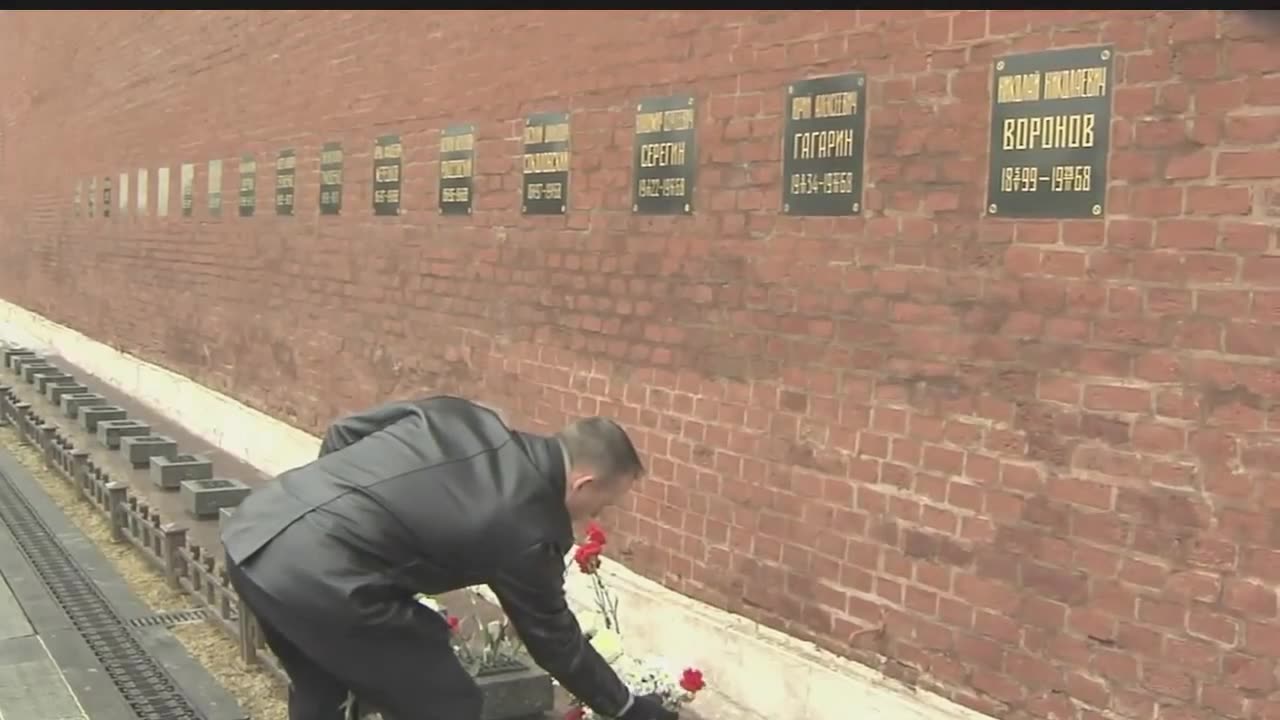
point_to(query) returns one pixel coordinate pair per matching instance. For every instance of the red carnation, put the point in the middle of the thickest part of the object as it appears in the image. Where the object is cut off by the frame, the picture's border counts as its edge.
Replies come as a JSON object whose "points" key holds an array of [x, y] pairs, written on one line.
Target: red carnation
{"points": [[588, 557], [595, 534], [691, 680], [575, 713], [455, 622]]}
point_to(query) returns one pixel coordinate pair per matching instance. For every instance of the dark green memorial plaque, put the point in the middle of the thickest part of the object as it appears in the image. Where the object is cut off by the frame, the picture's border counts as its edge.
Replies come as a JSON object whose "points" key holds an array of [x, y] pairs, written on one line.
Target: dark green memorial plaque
{"points": [[248, 185], [187, 188], [388, 155], [1050, 134], [215, 188], [824, 146], [665, 160], [286, 173], [545, 190], [331, 178], [457, 169]]}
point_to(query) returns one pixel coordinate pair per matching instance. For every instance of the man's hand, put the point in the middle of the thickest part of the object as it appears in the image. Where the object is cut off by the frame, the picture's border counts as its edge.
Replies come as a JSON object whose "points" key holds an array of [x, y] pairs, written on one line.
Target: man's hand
{"points": [[649, 707]]}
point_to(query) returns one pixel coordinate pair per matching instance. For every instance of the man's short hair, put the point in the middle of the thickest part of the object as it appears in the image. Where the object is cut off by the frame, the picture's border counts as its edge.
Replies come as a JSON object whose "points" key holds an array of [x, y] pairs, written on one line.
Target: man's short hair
{"points": [[602, 445]]}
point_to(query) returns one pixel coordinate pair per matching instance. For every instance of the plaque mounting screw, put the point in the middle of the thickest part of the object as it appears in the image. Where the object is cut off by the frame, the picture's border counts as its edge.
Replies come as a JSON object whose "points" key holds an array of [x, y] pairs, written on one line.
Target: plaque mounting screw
{"points": [[999, 64], [635, 208], [861, 81], [686, 207], [562, 208], [524, 208], [993, 208], [639, 108], [1106, 54], [1097, 209], [786, 207], [857, 207], [791, 89]]}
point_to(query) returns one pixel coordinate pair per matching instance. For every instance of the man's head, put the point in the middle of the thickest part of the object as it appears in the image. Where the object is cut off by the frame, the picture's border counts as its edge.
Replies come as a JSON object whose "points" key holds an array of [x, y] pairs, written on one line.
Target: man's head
{"points": [[603, 465]]}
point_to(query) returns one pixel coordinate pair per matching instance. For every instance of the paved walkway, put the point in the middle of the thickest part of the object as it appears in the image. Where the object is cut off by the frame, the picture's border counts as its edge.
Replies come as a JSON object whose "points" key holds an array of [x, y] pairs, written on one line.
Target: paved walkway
{"points": [[75, 643]]}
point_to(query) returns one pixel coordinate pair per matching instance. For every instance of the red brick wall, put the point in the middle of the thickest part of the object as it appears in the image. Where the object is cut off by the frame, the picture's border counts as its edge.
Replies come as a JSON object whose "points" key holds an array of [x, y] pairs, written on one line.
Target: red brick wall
{"points": [[1041, 456]]}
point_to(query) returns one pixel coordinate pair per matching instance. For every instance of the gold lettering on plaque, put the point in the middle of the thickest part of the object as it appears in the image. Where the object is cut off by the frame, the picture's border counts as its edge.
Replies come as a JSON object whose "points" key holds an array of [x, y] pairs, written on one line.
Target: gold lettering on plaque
{"points": [[1048, 132], [453, 169], [545, 162], [662, 154], [821, 144]]}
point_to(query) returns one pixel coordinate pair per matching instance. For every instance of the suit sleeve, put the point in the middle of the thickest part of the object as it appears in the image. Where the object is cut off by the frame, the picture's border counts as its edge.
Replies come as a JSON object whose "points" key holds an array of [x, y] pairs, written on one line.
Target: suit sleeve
{"points": [[531, 592], [352, 428]]}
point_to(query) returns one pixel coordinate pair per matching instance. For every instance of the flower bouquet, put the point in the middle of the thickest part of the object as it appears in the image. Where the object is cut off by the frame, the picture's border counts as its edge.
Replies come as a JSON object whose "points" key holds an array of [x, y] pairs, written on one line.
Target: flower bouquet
{"points": [[674, 684]]}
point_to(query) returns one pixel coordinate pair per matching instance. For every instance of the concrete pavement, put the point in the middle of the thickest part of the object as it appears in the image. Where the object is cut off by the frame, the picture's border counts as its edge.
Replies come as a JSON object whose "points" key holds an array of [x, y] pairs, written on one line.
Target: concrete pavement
{"points": [[75, 642]]}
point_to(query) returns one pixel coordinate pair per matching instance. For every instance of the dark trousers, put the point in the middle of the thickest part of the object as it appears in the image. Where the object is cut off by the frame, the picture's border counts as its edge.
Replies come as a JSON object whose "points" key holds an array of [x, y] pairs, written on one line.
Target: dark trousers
{"points": [[402, 663]]}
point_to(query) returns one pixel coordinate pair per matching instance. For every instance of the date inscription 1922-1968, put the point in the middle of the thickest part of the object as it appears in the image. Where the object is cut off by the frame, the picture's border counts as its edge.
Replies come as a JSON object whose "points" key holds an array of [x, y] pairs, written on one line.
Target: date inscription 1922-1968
{"points": [[1050, 133]]}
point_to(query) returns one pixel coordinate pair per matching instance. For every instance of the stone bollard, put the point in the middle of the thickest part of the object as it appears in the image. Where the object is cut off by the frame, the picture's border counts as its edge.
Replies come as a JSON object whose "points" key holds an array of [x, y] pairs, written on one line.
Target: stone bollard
{"points": [[72, 403], [202, 499], [169, 473], [56, 392], [91, 416], [141, 450], [111, 431]]}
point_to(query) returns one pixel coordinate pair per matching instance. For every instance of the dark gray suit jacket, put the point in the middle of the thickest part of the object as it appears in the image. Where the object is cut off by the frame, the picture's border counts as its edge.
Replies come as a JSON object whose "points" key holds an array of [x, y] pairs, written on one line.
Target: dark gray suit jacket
{"points": [[426, 496]]}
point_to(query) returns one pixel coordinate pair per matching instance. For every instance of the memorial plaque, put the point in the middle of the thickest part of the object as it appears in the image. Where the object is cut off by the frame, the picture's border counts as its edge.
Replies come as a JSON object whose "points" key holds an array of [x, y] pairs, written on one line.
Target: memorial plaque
{"points": [[215, 188], [1050, 134], [122, 193], [91, 207], [666, 156], [187, 188], [106, 197], [143, 189], [546, 164], [457, 169], [331, 179], [823, 147], [248, 185], [387, 165], [286, 171], [162, 192], [75, 200]]}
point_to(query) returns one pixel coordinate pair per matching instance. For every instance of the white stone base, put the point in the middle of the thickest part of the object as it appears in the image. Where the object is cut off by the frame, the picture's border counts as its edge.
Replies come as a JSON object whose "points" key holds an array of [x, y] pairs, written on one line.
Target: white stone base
{"points": [[746, 664]]}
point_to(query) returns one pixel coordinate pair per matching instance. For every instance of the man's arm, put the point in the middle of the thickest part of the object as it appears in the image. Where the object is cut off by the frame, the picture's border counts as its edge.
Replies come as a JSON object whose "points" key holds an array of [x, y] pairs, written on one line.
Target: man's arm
{"points": [[352, 428], [531, 592]]}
